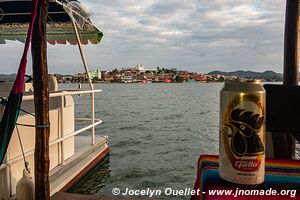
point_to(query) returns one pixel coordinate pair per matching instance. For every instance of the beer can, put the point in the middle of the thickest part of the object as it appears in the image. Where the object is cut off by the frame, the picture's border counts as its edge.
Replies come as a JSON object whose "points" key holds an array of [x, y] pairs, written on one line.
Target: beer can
{"points": [[242, 132]]}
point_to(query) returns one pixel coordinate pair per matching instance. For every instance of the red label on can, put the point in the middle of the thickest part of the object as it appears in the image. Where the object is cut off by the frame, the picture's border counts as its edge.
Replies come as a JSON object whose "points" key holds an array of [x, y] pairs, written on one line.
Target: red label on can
{"points": [[247, 165]]}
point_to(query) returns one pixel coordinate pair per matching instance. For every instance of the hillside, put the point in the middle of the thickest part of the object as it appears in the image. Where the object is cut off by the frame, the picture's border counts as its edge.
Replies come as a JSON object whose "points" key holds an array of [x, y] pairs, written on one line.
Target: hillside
{"points": [[266, 75], [7, 77]]}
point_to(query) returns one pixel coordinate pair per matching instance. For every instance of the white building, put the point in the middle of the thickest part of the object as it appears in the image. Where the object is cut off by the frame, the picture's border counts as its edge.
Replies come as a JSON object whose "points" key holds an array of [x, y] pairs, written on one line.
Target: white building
{"points": [[95, 73], [140, 67]]}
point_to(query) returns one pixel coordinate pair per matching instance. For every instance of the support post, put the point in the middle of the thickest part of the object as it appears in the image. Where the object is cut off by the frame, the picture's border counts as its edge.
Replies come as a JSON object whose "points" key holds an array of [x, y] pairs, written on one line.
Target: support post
{"points": [[291, 58], [89, 79], [82, 54], [291, 39], [93, 117], [61, 135], [80, 47], [41, 103]]}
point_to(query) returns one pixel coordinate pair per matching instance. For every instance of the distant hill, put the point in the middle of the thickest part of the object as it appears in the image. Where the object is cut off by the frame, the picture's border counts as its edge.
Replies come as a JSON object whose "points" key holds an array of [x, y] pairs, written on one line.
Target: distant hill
{"points": [[266, 75], [8, 77]]}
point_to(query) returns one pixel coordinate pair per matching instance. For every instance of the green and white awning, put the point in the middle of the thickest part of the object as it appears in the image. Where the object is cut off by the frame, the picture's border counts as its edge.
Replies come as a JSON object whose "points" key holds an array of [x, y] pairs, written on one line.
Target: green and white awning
{"points": [[14, 18], [57, 33]]}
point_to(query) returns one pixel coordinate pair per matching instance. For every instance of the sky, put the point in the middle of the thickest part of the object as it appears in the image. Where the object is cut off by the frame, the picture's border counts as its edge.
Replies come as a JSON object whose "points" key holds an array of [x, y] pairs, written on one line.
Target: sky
{"points": [[195, 35]]}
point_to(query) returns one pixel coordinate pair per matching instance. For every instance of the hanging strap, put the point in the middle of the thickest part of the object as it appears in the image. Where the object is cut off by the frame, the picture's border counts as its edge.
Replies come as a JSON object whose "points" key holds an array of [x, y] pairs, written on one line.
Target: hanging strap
{"points": [[13, 104], [19, 83]]}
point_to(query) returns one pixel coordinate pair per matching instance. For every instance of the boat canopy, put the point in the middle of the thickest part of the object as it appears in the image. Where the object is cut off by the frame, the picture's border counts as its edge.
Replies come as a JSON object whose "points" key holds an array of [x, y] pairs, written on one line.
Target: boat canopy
{"points": [[15, 16]]}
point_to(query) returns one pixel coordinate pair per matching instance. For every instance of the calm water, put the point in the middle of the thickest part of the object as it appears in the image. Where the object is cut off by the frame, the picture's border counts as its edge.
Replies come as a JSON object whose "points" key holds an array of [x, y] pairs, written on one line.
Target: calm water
{"points": [[156, 134]]}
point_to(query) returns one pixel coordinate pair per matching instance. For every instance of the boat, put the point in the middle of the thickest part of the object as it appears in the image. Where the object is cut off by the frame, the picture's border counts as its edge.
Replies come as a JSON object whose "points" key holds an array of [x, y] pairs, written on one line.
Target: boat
{"points": [[72, 152]]}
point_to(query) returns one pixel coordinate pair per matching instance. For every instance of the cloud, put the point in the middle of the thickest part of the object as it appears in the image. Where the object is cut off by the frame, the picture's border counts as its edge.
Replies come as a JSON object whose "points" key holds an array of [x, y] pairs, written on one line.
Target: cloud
{"points": [[242, 15], [187, 34]]}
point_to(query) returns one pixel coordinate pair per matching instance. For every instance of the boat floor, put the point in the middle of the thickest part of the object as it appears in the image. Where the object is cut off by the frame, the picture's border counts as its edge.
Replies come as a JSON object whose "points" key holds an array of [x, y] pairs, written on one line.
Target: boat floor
{"points": [[71, 196], [75, 167], [83, 148], [83, 142]]}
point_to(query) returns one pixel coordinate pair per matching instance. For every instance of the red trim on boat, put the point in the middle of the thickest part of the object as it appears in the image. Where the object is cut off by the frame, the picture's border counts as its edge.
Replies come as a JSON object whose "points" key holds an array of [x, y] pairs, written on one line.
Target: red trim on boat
{"points": [[85, 170]]}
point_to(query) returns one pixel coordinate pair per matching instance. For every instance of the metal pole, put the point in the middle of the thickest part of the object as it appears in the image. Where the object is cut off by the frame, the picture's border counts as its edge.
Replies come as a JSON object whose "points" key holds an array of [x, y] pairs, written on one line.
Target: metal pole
{"points": [[291, 58], [89, 78], [61, 144], [87, 73], [93, 116], [82, 54]]}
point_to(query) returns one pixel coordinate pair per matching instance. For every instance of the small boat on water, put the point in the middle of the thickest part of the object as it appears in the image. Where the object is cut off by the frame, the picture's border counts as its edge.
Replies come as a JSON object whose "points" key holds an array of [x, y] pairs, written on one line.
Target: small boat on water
{"points": [[72, 151]]}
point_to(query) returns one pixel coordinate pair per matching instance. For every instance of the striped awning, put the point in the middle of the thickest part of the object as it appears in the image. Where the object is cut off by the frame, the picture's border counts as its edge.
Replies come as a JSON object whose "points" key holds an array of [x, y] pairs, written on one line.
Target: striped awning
{"points": [[14, 18]]}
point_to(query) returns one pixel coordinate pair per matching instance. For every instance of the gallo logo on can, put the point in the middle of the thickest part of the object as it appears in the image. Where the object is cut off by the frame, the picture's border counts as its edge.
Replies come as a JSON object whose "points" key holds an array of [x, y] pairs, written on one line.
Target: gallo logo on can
{"points": [[242, 125]]}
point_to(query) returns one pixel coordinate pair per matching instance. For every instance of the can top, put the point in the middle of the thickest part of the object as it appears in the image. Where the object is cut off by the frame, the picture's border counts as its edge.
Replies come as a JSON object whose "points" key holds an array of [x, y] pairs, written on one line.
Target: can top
{"points": [[243, 85], [239, 81]]}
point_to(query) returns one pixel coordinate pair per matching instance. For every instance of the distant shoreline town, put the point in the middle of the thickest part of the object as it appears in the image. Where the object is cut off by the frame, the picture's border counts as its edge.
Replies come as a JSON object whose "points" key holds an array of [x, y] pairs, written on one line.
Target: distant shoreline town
{"points": [[140, 74]]}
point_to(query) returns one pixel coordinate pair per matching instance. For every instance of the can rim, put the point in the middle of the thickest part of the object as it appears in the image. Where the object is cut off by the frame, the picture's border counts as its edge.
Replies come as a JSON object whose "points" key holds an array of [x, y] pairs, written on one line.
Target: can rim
{"points": [[239, 81]]}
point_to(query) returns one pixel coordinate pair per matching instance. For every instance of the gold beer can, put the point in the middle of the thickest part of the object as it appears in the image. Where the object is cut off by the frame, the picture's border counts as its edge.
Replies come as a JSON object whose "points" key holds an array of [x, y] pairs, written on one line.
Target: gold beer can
{"points": [[242, 132]]}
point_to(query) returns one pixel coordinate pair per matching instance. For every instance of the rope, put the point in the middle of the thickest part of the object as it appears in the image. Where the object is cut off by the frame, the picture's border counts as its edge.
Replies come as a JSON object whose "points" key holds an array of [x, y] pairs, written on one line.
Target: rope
{"points": [[26, 163], [27, 112], [29, 125], [34, 126], [3, 101]]}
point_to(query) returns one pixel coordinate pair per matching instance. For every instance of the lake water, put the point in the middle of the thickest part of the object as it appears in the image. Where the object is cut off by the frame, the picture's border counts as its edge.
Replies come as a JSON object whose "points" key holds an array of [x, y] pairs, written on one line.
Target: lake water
{"points": [[156, 134]]}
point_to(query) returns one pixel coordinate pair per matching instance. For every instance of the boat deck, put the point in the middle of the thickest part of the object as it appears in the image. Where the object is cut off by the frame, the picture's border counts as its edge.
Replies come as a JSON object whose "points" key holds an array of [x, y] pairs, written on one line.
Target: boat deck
{"points": [[70, 196], [83, 142], [86, 157]]}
